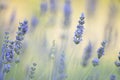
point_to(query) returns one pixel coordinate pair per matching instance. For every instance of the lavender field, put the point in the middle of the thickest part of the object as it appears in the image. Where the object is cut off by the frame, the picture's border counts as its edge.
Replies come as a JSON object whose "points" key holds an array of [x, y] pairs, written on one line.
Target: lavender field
{"points": [[59, 39]]}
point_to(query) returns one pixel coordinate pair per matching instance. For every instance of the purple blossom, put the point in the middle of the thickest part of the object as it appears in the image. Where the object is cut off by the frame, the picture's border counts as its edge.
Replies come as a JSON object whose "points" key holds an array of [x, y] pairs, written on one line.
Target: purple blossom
{"points": [[43, 7], [117, 63], [9, 55], [22, 30], [95, 61], [112, 77], [91, 6], [67, 13], [101, 50], [53, 6], [67, 8], [34, 21], [61, 68], [78, 33]]}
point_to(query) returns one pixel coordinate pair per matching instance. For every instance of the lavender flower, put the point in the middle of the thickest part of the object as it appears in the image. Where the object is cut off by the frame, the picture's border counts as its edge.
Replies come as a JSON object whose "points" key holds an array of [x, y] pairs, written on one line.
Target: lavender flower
{"points": [[53, 6], [67, 13], [61, 68], [9, 56], [101, 50], [34, 21], [78, 33], [9, 48], [91, 6], [87, 54], [67, 8], [95, 61], [22, 30], [18, 47], [43, 7], [112, 77], [117, 63]]}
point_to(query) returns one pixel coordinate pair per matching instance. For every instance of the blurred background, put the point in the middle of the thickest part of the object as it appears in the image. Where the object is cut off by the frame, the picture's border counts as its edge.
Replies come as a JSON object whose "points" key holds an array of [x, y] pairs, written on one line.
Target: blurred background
{"points": [[52, 24]]}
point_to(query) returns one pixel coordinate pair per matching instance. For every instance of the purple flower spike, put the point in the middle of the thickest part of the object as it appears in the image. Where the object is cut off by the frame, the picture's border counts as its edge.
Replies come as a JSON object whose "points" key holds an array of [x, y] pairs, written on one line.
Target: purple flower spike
{"points": [[78, 33]]}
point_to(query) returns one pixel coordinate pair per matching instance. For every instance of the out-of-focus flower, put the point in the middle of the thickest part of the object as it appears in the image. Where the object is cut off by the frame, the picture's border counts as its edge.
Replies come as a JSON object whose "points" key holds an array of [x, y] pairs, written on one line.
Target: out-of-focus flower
{"points": [[61, 68], [34, 21], [112, 77], [78, 33], [2, 76], [117, 63], [9, 48], [95, 61], [91, 6], [43, 7], [67, 13], [87, 54], [101, 50], [53, 6]]}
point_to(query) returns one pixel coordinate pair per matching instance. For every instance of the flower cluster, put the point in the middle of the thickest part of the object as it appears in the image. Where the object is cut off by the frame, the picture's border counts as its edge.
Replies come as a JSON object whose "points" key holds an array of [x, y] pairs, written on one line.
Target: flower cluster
{"points": [[100, 52], [9, 48], [79, 31]]}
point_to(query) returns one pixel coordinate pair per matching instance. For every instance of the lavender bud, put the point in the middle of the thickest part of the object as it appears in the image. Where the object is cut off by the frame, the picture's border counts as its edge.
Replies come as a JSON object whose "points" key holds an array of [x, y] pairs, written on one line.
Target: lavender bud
{"points": [[112, 77], [95, 61], [117, 64]]}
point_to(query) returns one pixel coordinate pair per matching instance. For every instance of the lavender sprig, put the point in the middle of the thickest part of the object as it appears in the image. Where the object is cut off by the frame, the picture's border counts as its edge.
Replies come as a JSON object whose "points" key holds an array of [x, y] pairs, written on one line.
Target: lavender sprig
{"points": [[61, 68], [78, 33], [32, 71], [101, 49]]}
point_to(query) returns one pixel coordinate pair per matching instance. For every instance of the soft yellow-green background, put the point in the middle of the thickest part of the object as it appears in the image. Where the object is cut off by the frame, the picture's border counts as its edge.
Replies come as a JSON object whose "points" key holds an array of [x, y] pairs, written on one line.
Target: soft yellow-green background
{"points": [[94, 31]]}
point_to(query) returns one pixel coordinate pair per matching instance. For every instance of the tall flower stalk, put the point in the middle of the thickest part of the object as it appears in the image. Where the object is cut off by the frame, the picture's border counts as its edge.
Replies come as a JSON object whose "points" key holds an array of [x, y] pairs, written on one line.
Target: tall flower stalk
{"points": [[78, 33]]}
